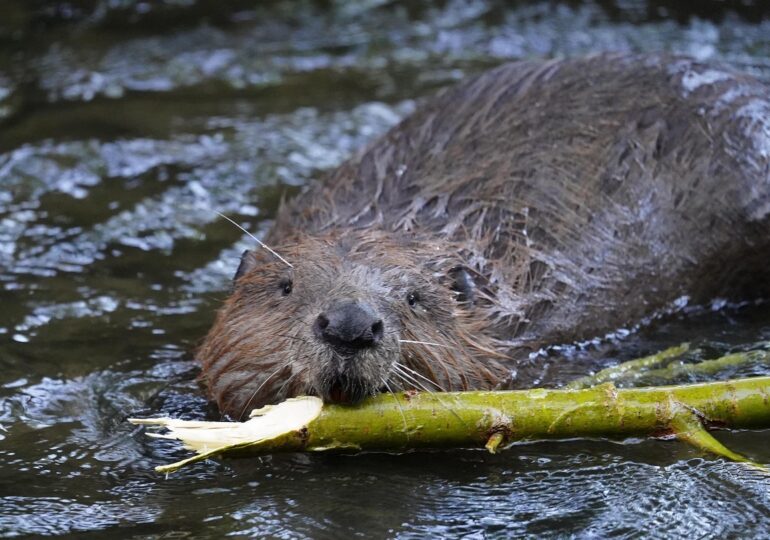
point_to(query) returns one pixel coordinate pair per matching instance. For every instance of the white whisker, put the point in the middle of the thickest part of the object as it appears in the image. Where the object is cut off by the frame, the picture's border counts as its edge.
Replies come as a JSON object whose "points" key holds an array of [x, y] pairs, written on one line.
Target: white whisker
{"points": [[424, 343], [257, 240], [403, 416], [253, 395], [420, 375], [411, 380], [399, 371]]}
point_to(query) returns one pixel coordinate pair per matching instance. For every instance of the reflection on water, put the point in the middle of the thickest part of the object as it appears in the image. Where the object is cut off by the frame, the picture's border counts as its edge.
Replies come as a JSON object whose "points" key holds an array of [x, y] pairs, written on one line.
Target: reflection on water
{"points": [[125, 125]]}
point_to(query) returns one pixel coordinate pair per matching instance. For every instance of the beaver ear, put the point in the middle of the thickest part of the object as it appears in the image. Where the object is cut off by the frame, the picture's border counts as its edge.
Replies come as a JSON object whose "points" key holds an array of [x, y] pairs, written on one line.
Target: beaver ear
{"points": [[462, 282], [249, 261]]}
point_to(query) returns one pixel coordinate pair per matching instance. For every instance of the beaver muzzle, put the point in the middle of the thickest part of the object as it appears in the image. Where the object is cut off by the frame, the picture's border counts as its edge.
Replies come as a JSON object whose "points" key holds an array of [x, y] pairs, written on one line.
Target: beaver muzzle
{"points": [[349, 329]]}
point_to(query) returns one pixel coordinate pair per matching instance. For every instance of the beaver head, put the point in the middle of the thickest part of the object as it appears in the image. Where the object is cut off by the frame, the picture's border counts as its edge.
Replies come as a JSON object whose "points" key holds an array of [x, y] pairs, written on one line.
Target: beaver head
{"points": [[354, 313]]}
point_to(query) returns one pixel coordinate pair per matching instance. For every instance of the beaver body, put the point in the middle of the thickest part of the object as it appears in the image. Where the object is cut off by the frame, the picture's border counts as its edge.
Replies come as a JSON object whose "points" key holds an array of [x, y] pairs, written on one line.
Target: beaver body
{"points": [[539, 203]]}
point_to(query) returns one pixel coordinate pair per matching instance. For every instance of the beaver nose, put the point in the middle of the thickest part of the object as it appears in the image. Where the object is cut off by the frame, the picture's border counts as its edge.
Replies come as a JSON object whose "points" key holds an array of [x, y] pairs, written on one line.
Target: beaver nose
{"points": [[349, 326]]}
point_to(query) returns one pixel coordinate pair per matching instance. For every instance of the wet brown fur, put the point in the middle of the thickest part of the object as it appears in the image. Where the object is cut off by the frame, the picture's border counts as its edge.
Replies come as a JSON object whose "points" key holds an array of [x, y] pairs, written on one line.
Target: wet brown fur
{"points": [[580, 195]]}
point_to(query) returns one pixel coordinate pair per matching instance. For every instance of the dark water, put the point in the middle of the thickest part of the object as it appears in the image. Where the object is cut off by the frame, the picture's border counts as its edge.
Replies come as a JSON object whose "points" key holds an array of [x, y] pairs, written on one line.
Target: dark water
{"points": [[125, 125]]}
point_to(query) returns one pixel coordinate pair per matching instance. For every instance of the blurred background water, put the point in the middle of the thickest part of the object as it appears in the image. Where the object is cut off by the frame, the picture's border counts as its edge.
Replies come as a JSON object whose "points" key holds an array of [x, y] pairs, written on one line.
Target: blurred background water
{"points": [[124, 126]]}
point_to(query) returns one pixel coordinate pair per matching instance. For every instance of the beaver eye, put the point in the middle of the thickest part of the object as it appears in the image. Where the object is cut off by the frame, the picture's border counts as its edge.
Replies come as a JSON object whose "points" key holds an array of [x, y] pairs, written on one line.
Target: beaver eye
{"points": [[285, 286], [412, 298]]}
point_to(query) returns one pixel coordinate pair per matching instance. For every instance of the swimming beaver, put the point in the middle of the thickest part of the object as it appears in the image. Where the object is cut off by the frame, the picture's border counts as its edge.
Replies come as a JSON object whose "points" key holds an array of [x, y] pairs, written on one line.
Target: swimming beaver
{"points": [[539, 203]]}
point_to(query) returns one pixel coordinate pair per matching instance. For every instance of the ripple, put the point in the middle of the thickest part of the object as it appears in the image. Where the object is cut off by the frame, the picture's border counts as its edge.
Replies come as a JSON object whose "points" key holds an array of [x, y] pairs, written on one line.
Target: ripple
{"points": [[615, 498], [55, 516], [126, 125], [271, 48], [211, 172]]}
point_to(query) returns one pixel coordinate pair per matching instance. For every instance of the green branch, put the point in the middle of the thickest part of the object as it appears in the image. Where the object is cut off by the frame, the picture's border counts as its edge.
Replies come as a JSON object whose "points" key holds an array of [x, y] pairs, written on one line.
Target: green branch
{"points": [[706, 369], [629, 370], [483, 419]]}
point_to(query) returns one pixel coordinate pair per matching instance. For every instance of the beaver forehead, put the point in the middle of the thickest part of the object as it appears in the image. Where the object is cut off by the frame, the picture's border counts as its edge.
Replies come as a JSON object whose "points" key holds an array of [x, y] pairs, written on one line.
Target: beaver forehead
{"points": [[352, 278], [376, 248]]}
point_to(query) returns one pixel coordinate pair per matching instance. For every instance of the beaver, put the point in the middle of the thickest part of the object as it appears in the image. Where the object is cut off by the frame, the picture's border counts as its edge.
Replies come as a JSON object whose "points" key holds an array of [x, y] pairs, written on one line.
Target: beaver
{"points": [[540, 203]]}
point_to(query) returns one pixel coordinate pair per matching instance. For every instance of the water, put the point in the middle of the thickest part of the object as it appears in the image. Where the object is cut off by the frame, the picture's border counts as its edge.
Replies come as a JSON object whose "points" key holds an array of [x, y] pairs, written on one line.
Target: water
{"points": [[125, 125]]}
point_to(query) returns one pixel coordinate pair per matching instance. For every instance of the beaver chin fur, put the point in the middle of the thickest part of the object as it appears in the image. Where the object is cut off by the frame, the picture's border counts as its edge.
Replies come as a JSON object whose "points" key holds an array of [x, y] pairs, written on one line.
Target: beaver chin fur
{"points": [[350, 376], [342, 381]]}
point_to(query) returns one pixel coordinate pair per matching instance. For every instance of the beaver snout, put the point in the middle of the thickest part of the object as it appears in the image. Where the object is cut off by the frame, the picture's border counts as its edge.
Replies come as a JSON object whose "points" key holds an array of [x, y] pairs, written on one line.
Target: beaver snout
{"points": [[349, 327]]}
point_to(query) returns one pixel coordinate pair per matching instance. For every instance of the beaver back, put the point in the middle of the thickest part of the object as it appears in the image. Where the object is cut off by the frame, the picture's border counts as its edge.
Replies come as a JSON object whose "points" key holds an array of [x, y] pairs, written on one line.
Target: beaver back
{"points": [[589, 193]]}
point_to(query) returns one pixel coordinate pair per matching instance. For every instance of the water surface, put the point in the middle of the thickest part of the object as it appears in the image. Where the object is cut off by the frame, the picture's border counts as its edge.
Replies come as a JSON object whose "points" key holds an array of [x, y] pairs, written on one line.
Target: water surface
{"points": [[124, 126]]}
